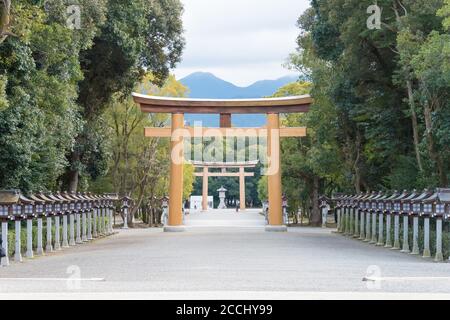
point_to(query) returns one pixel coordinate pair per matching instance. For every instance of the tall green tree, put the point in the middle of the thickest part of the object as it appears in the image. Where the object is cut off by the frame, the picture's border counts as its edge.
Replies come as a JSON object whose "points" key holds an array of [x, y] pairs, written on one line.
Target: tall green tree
{"points": [[377, 90], [137, 37], [139, 166], [39, 76]]}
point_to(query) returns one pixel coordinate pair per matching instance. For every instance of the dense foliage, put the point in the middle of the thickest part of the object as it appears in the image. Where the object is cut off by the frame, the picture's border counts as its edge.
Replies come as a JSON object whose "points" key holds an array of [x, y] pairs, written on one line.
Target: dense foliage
{"points": [[382, 108], [57, 80]]}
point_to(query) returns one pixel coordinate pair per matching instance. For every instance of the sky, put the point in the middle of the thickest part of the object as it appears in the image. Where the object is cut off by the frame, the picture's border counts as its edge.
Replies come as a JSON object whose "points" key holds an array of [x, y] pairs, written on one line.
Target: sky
{"points": [[241, 41]]}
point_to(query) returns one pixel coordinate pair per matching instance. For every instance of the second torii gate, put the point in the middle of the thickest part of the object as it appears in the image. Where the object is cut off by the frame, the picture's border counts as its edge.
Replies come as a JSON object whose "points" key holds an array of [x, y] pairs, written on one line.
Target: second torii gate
{"points": [[177, 107], [224, 173]]}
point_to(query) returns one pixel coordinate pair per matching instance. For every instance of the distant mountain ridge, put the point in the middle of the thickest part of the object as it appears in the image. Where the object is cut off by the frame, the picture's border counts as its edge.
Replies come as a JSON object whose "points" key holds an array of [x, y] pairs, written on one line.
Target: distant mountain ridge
{"points": [[205, 85]]}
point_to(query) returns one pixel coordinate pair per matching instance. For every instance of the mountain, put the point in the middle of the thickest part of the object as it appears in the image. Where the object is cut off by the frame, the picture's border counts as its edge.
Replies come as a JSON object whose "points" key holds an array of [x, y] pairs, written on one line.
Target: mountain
{"points": [[208, 86], [266, 88], [205, 85]]}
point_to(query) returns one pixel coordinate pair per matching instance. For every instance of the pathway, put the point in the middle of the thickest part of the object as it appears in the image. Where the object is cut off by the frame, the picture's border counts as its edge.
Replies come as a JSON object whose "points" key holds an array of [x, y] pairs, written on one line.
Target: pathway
{"points": [[226, 255]]}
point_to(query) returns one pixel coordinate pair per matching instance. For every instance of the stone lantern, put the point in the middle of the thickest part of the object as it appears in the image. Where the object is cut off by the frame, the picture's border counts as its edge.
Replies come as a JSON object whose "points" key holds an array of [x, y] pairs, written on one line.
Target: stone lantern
{"points": [[60, 210], [380, 212], [106, 208], [358, 206], [436, 203], [85, 213], [78, 213], [367, 209], [346, 204], [373, 209], [7, 200], [89, 208], [165, 209], [442, 208], [388, 211], [32, 207], [443, 203], [339, 198], [126, 204], [384, 215], [96, 211], [222, 195], [425, 212], [396, 212], [63, 205], [84, 203], [99, 215], [407, 210], [354, 211], [323, 205], [81, 217], [361, 208], [112, 199], [73, 217], [338, 207], [29, 212], [348, 213], [285, 205], [50, 213], [20, 211]]}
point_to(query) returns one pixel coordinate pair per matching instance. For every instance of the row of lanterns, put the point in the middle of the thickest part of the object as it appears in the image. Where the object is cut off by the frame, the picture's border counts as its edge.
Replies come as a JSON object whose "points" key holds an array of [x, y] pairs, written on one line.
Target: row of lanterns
{"points": [[82, 217], [371, 216]]}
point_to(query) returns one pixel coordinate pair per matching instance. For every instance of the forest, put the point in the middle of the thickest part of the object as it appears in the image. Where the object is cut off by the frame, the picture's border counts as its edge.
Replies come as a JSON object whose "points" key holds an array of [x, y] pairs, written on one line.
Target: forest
{"points": [[66, 119], [381, 117]]}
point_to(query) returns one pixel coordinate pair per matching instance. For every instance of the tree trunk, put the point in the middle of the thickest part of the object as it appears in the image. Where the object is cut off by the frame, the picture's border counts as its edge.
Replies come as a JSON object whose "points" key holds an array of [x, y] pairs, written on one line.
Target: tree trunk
{"points": [[302, 215], [412, 104], [316, 217], [5, 19], [415, 126], [434, 155], [357, 170], [73, 174]]}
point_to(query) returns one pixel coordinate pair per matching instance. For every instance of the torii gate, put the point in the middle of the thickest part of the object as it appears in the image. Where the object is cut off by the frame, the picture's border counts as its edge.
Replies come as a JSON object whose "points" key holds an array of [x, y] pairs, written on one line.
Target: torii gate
{"points": [[177, 107], [224, 173]]}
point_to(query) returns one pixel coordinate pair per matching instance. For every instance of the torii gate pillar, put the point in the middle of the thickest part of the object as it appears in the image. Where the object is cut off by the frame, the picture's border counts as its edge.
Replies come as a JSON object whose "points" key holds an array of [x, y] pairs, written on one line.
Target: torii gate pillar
{"points": [[176, 175], [274, 176]]}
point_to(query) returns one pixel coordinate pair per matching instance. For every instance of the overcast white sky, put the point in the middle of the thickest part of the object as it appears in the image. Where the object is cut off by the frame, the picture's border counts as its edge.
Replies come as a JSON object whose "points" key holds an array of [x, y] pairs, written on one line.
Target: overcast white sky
{"points": [[241, 41]]}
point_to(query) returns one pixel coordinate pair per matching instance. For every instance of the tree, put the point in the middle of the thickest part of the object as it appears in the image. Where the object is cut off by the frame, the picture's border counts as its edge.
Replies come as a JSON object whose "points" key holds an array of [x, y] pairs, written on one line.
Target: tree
{"points": [[263, 189], [370, 82], [40, 71], [139, 166], [432, 68], [445, 13], [137, 37], [301, 179]]}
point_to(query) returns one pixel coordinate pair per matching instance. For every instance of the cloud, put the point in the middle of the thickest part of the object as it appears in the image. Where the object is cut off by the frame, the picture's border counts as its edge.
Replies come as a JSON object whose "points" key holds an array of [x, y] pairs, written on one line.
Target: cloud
{"points": [[245, 40]]}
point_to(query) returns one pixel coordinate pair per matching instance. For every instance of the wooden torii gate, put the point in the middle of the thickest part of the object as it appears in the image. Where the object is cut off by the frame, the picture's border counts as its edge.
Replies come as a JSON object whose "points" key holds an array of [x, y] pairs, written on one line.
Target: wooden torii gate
{"points": [[177, 107], [205, 174]]}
